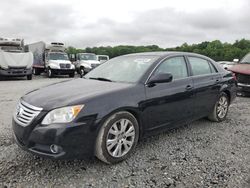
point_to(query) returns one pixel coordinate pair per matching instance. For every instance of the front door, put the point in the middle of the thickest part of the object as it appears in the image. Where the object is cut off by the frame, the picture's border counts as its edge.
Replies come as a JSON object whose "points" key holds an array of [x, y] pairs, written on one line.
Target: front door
{"points": [[169, 104]]}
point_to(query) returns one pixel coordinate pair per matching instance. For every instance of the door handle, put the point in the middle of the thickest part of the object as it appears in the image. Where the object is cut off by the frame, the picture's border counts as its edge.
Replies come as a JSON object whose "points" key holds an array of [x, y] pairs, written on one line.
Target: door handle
{"points": [[189, 87]]}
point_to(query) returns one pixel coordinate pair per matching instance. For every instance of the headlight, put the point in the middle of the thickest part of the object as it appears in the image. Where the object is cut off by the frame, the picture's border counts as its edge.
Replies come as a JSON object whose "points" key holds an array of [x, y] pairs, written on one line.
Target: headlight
{"points": [[62, 115]]}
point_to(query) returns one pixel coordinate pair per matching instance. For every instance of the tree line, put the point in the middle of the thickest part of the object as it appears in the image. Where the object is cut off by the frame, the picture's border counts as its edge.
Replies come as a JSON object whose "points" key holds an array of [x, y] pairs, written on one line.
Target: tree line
{"points": [[215, 49]]}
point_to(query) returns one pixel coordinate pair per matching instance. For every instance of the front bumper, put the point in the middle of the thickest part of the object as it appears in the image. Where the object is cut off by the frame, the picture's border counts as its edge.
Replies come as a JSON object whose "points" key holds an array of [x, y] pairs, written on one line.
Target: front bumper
{"points": [[15, 72], [63, 71], [243, 87], [76, 140]]}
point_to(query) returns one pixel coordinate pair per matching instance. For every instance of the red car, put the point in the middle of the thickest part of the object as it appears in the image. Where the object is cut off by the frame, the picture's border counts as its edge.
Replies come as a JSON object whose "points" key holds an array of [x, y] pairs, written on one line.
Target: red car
{"points": [[242, 74]]}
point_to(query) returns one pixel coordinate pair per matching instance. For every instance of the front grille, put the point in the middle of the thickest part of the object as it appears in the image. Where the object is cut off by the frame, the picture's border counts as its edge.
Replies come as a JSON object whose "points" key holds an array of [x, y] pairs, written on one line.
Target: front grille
{"points": [[94, 65], [12, 67], [64, 66], [26, 113], [243, 78]]}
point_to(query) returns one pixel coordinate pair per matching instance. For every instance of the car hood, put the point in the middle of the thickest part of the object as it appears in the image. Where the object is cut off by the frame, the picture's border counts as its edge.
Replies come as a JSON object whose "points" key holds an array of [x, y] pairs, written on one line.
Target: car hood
{"points": [[241, 68], [72, 92]]}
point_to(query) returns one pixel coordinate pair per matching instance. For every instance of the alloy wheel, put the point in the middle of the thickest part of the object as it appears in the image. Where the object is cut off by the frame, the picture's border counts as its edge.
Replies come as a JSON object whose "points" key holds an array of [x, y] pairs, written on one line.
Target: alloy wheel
{"points": [[222, 107], [120, 138]]}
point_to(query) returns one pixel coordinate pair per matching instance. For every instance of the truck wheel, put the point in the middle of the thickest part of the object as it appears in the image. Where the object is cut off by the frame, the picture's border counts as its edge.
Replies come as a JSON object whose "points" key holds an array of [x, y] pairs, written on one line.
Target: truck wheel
{"points": [[81, 72], [72, 75], [36, 71], [117, 137], [50, 73], [220, 109], [29, 77]]}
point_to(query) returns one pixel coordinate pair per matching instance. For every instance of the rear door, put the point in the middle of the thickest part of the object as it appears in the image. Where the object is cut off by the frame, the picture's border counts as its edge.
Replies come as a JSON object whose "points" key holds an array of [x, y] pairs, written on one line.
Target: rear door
{"points": [[169, 104], [207, 82]]}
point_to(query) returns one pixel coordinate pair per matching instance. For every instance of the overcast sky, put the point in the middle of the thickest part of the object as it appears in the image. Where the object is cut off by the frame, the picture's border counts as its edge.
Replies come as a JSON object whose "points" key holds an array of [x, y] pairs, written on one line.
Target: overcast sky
{"points": [[166, 23]]}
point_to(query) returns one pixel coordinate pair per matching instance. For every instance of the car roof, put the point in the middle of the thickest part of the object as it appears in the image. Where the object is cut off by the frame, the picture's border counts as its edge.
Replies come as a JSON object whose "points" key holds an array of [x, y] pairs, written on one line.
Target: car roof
{"points": [[167, 53]]}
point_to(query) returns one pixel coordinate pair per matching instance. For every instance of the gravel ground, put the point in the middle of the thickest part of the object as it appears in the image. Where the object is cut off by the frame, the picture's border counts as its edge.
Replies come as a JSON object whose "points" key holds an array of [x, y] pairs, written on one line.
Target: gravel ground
{"points": [[202, 154]]}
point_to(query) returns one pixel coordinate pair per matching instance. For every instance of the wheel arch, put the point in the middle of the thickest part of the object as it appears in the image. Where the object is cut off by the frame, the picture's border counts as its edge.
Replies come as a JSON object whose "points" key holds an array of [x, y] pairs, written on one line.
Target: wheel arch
{"points": [[228, 95], [132, 110]]}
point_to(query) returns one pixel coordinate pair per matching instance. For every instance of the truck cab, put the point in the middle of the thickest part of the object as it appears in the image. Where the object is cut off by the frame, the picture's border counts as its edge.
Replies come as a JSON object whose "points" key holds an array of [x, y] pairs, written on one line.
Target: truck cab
{"points": [[102, 58], [51, 59], [14, 60], [85, 62]]}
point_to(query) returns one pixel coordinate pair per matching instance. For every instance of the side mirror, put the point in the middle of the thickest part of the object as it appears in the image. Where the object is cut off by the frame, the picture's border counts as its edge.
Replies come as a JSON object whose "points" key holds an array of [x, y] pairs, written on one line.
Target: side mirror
{"points": [[160, 78]]}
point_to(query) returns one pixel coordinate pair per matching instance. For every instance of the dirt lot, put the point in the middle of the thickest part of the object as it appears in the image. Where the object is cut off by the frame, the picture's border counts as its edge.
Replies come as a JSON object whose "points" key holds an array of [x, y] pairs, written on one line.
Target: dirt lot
{"points": [[202, 154]]}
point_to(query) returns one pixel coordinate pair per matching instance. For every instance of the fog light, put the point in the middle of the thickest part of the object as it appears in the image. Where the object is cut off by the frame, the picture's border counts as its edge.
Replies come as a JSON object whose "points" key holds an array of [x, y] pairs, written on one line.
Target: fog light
{"points": [[54, 148]]}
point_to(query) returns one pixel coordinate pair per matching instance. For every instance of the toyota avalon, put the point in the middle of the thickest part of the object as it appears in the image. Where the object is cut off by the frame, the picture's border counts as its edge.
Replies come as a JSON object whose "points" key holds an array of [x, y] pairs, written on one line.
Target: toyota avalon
{"points": [[121, 101]]}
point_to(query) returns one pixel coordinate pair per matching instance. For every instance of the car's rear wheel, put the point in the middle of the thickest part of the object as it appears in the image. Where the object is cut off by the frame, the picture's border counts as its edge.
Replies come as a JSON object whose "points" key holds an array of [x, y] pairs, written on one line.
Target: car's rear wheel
{"points": [[220, 110], [117, 137]]}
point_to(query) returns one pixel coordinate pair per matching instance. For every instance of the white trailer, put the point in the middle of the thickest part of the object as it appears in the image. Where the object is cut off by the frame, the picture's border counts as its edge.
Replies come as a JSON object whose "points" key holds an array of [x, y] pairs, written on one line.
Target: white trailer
{"points": [[51, 59], [14, 61]]}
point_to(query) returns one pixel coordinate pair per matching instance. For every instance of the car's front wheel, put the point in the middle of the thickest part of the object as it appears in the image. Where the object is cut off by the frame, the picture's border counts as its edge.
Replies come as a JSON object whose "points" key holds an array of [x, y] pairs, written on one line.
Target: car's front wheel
{"points": [[117, 137], [220, 110], [50, 73], [81, 71]]}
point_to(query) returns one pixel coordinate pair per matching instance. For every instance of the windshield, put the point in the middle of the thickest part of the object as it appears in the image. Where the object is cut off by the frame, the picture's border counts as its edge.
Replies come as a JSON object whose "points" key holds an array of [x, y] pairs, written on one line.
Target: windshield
{"points": [[87, 57], [100, 58], [123, 68], [246, 59], [58, 56]]}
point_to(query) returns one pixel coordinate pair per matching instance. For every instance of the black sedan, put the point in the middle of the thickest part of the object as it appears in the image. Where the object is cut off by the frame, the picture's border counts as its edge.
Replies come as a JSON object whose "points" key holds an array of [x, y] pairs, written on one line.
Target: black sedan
{"points": [[112, 107]]}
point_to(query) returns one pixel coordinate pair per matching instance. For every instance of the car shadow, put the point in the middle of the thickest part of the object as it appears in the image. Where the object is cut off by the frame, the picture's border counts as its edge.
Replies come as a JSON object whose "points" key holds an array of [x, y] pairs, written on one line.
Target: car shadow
{"points": [[144, 153]]}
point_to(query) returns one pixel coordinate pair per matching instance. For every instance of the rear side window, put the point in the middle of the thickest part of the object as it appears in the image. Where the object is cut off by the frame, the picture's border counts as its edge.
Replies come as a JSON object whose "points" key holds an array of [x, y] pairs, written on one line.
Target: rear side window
{"points": [[175, 65], [199, 66]]}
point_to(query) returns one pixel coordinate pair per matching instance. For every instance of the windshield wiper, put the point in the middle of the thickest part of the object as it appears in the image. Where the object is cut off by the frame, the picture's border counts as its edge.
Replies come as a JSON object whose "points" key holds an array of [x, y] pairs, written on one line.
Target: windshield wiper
{"points": [[101, 79]]}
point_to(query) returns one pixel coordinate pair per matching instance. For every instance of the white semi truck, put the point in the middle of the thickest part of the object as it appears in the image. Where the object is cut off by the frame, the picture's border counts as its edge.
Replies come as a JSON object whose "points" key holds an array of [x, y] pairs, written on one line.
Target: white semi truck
{"points": [[85, 62], [51, 59], [14, 60]]}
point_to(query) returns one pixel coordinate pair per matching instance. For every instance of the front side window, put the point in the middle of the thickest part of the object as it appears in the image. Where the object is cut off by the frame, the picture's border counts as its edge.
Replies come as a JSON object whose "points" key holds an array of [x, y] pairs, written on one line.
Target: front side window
{"points": [[176, 66], [199, 66]]}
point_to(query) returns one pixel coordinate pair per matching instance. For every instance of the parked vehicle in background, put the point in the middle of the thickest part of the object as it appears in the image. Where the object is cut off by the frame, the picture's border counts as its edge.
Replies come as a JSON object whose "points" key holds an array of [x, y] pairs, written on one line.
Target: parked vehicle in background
{"points": [[84, 62], [102, 58], [120, 102], [226, 64], [14, 60], [242, 74], [51, 58]]}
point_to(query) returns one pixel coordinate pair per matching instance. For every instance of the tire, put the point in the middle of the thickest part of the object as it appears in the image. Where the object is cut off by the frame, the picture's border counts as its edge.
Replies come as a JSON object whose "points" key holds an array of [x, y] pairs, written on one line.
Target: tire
{"points": [[50, 73], [29, 77], [36, 71], [119, 138], [72, 75], [81, 71], [220, 109]]}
